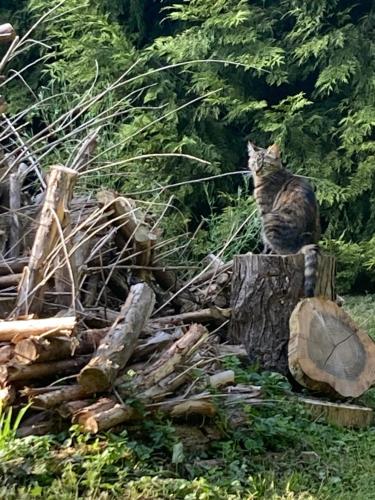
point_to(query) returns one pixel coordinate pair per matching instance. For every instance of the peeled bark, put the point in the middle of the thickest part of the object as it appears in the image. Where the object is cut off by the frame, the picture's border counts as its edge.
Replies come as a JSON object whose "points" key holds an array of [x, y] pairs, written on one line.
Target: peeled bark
{"points": [[117, 347], [20, 329]]}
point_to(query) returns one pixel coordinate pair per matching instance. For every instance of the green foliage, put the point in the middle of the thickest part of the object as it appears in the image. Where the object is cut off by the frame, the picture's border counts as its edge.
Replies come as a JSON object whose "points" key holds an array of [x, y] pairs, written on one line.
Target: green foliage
{"points": [[210, 74], [9, 424]]}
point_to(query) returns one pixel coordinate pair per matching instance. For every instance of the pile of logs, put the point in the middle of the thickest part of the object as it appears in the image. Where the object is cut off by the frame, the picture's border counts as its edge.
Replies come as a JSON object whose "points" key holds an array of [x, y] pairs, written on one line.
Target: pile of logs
{"points": [[96, 329], [93, 320]]}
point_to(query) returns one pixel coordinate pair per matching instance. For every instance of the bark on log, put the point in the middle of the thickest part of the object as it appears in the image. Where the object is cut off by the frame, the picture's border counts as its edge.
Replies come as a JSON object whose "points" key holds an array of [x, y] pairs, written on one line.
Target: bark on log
{"points": [[12, 373], [342, 415], [173, 356], [20, 329], [265, 290], [37, 349], [57, 396], [104, 415], [119, 344], [56, 205], [10, 280], [328, 351], [13, 266]]}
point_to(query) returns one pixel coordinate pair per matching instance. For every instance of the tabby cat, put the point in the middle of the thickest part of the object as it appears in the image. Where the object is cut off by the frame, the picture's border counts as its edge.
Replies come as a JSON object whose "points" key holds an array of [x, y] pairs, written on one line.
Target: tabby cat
{"points": [[288, 210]]}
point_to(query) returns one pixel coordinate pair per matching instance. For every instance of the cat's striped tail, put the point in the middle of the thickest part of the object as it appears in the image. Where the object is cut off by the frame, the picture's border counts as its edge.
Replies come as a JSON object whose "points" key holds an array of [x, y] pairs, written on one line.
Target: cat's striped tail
{"points": [[311, 253]]}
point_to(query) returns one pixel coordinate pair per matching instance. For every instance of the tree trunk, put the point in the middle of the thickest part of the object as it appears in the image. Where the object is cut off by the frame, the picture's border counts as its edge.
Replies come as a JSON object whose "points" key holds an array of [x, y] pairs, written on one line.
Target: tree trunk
{"points": [[265, 290]]}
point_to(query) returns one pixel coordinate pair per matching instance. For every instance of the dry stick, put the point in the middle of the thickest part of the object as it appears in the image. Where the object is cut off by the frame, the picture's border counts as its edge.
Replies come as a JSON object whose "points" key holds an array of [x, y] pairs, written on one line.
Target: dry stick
{"points": [[14, 205], [33, 327], [119, 344], [59, 193]]}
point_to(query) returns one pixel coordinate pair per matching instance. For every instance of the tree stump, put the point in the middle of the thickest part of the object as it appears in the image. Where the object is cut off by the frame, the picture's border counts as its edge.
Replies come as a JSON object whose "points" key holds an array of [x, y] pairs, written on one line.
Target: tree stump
{"points": [[328, 352], [265, 291]]}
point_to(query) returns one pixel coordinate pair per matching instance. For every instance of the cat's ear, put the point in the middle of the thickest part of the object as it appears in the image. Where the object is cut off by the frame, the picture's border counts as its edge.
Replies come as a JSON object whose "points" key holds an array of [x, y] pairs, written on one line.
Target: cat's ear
{"points": [[274, 150], [250, 148]]}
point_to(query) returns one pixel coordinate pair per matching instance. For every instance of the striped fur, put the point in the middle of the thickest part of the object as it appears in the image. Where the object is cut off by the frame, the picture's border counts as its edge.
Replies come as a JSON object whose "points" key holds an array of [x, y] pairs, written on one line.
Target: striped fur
{"points": [[288, 209]]}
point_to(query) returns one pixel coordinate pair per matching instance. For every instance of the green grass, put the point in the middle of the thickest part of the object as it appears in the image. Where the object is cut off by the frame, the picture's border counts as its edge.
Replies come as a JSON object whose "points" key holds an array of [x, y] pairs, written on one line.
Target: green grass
{"points": [[279, 454]]}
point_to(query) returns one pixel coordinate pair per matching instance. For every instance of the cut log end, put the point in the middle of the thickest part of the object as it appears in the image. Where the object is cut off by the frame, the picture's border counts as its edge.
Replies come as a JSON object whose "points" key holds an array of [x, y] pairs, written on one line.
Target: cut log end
{"points": [[328, 351], [94, 379]]}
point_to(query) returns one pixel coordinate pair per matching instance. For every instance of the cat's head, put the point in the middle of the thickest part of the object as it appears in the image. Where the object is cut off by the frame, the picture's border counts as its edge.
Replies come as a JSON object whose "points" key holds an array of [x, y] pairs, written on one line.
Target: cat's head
{"points": [[263, 161]]}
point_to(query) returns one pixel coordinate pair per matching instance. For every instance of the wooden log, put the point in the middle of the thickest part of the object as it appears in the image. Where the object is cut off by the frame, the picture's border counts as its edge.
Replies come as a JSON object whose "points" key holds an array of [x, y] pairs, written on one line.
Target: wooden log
{"points": [[342, 415], [327, 350], [7, 33], [173, 356], [265, 290], [55, 208], [13, 266], [56, 396], [118, 345], [39, 349], [13, 372], [201, 316], [70, 408], [10, 280], [103, 415], [19, 329]]}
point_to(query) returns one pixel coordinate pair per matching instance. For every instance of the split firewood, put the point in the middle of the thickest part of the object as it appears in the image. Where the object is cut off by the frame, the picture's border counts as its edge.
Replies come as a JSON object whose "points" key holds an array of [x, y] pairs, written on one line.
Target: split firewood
{"points": [[328, 351], [173, 356], [14, 372], [55, 208], [19, 329], [117, 347], [342, 415]]}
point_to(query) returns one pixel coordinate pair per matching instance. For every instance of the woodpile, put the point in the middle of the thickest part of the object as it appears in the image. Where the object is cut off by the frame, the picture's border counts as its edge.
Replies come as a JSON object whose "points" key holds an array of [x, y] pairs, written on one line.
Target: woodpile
{"points": [[97, 330], [91, 319]]}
